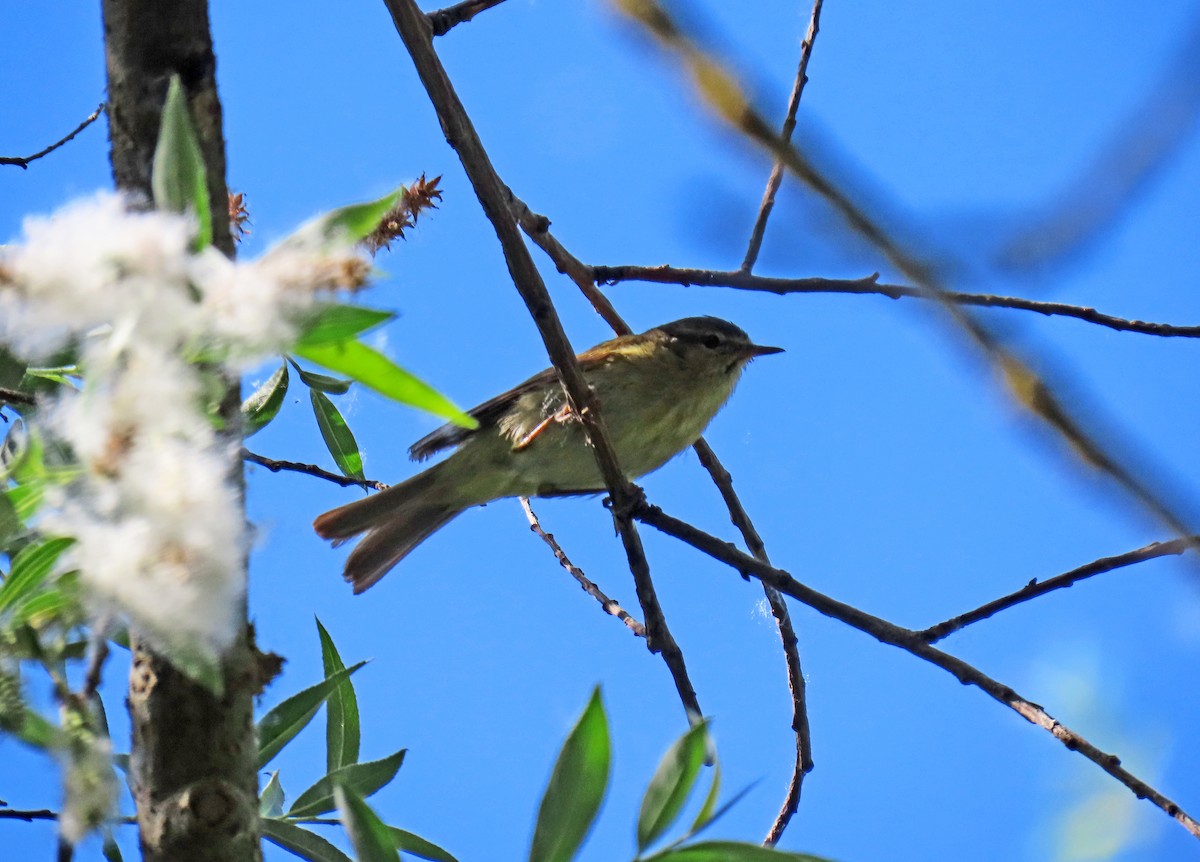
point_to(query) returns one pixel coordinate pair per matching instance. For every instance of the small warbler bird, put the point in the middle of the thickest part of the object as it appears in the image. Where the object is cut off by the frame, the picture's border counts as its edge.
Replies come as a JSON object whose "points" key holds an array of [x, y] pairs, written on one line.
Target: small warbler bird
{"points": [[657, 390]]}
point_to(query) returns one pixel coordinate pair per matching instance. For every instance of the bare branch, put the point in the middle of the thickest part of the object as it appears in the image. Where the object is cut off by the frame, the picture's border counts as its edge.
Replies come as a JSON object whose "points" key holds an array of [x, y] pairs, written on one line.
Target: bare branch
{"points": [[872, 285], [415, 31], [789, 125], [1026, 387], [23, 161], [787, 635], [27, 816], [1034, 588], [310, 470], [611, 606], [537, 227], [912, 642], [15, 396], [442, 20]]}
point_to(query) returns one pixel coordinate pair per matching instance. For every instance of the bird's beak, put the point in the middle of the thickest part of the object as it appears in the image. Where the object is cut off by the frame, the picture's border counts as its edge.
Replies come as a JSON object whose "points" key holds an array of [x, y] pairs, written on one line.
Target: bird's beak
{"points": [[753, 350]]}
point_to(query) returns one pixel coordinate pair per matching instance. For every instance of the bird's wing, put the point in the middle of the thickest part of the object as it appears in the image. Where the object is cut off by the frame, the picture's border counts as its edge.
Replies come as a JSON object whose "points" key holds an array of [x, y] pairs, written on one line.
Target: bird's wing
{"points": [[486, 414]]}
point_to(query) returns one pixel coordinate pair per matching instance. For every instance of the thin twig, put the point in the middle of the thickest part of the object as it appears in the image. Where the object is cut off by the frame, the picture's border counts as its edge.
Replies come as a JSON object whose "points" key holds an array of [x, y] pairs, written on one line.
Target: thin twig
{"points": [[871, 285], [1034, 588], [610, 606], [23, 161], [787, 635], [414, 30], [1026, 387], [98, 654], [15, 396], [311, 470], [442, 20], [789, 126], [27, 816], [912, 642], [537, 227]]}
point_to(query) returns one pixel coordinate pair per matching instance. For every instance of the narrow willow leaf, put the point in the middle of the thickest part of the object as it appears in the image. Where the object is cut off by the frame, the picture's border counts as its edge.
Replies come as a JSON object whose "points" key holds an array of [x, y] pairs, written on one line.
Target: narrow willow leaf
{"points": [[26, 498], [342, 732], [323, 382], [37, 732], [280, 724], [730, 851], [334, 322], [178, 176], [263, 405], [671, 784], [375, 371], [112, 853], [337, 435], [10, 521], [270, 801], [370, 837], [576, 788], [363, 778], [705, 815], [30, 569], [303, 842], [418, 846]]}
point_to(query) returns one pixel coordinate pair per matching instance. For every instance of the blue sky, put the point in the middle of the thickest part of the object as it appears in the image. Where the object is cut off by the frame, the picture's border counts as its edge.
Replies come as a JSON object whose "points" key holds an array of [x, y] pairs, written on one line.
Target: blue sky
{"points": [[879, 458]]}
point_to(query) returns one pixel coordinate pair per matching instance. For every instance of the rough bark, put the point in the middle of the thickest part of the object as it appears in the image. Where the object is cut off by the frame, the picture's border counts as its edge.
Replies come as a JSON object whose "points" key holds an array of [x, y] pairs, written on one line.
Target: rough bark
{"points": [[193, 770]]}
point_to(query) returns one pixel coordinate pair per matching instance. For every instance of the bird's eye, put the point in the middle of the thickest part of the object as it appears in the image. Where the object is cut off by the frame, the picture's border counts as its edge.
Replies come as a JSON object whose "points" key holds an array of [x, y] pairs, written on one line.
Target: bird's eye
{"points": [[712, 342]]}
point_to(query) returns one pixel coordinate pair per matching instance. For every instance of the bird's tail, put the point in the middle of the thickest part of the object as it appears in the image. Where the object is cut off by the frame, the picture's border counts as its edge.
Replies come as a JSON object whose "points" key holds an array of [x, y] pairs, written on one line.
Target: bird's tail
{"points": [[395, 521]]}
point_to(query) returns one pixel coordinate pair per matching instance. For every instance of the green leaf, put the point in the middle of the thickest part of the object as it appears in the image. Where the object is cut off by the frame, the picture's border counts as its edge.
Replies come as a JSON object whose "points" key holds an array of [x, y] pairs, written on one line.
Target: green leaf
{"points": [[112, 853], [363, 778], [270, 801], [341, 711], [347, 224], [576, 789], [303, 842], [375, 371], [338, 437], [730, 851], [324, 383], [37, 732], [262, 406], [10, 521], [671, 784], [178, 176], [26, 498], [334, 321], [705, 815], [279, 725], [30, 569], [369, 836], [48, 606], [418, 846]]}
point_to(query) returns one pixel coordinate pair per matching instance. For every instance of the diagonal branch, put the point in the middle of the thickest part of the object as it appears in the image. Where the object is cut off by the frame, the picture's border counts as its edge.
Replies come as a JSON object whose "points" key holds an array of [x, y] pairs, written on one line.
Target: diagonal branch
{"points": [[610, 606], [442, 21], [537, 227], [1035, 588], [415, 31], [912, 642], [310, 470], [1026, 387], [789, 125], [23, 161], [871, 285]]}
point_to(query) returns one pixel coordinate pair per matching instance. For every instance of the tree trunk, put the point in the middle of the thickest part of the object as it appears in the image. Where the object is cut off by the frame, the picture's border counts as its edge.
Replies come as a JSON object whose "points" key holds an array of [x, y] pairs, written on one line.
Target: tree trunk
{"points": [[193, 771]]}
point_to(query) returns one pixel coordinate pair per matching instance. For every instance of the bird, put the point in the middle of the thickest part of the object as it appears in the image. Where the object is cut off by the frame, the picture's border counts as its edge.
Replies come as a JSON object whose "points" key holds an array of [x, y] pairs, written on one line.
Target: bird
{"points": [[658, 390]]}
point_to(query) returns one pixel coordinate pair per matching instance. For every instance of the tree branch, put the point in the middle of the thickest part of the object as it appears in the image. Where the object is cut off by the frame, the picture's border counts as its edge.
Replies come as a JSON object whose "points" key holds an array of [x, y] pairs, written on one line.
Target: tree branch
{"points": [[789, 125], [537, 227], [23, 161], [415, 31], [1034, 588], [310, 470], [871, 285], [442, 20], [912, 642], [610, 606]]}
